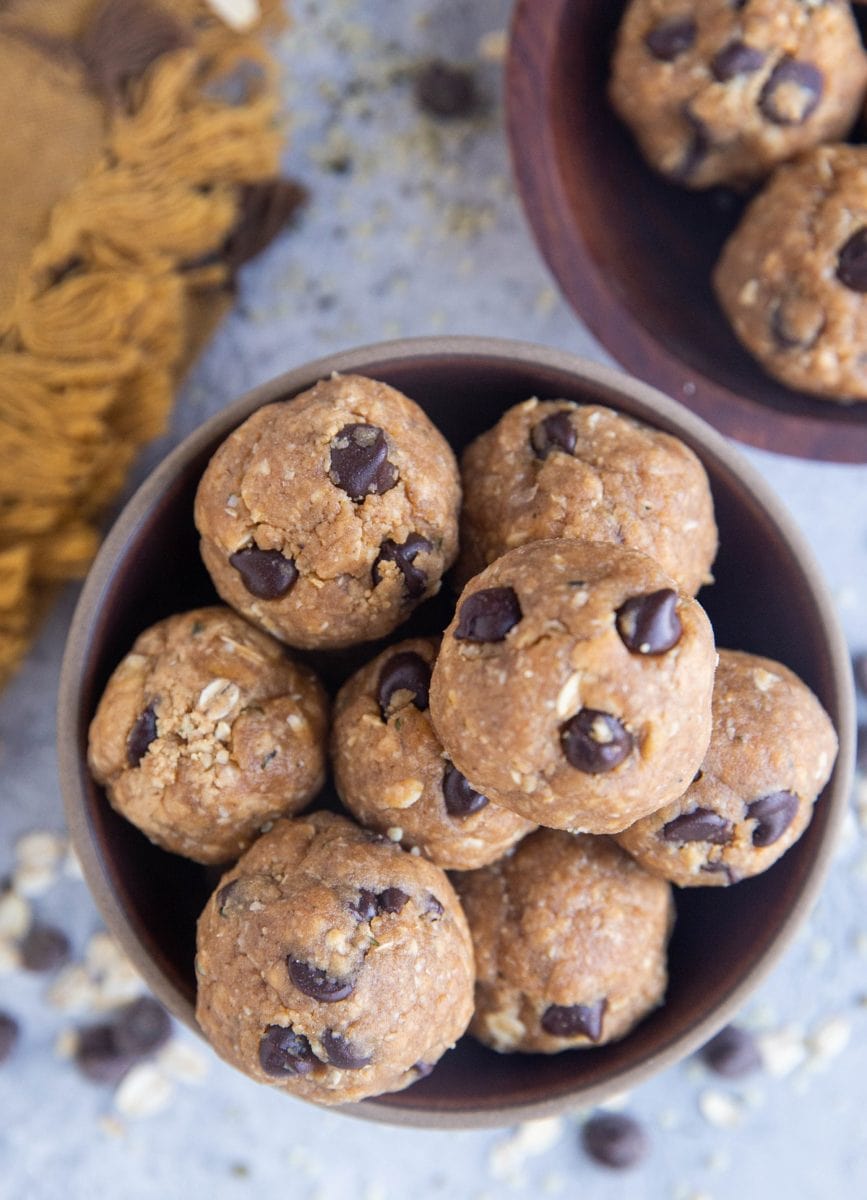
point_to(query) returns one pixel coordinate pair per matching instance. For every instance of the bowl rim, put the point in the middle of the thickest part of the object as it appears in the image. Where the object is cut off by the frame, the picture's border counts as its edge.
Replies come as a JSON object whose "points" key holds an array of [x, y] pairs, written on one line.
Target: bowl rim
{"points": [[529, 98], [712, 447]]}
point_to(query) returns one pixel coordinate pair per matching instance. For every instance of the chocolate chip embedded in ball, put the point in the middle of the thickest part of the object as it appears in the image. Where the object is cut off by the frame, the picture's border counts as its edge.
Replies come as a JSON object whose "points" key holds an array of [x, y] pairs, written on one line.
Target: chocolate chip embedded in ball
{"points": [[668, 40], [282, 1052], [737, 58], [406, 672], [403, 555], [733, 1053], [792, 92], [342, 1052], [700, 825], [266, 574], [852, 262], [575, 1020], [773, 815], [555, 432], [698, 146], [460, 798], [488, 615], [615, 1140], [359, 462], [595, 742], [143, 732], [316, 983], [392, 900], [9, 1034], [797, 322], [649, 624]]}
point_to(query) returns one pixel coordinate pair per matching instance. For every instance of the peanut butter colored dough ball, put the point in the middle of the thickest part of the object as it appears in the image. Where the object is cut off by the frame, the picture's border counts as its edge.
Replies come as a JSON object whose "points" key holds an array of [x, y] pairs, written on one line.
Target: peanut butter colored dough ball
{"points": [[717, 92], [556, 469], [391, 772], [207, 731], [570, 942], [574, 685], [332, 964], [771, 752], [327, 518]]}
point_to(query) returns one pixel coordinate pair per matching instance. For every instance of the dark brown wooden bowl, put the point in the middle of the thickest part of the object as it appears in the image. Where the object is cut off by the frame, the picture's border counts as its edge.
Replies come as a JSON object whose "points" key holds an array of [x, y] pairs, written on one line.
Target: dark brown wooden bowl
{"points": [[769, 598], [632, 253]]}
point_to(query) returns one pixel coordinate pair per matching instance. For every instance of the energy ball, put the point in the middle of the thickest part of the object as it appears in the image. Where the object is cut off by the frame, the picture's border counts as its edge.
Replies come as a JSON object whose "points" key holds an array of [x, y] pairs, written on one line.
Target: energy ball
{"points": [[570, 937], [556, 469], [792, 277], [332, 964], [206, 732], [574, 685], [392, 774], [771, 752], [327, 518], [717, 92]]}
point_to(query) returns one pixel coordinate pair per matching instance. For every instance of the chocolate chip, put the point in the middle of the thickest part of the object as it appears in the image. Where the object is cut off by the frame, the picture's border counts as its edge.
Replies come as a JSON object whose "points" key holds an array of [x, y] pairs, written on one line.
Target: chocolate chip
{"points": [[392, 900], [282, 1051], [852, 262], [797, 322], [563, 1021], [488, 615], [698, 775], [44, 948], [98, 1056], [423, 1069], [142, 1027], [143, 732], [226, 899], [341, 1052], [365, 906], [649, 624], [432, 907], [737, 58], [668, 40], [359, 462], [721, 868], [460, 799], [615, 1140], [733, 1053], [773, 815], [595, 742], [700, 825], [266, 574], [555, 432], [314, 982], [444, 90], [123, 40], [697, 147], [264, 210], [859, 669], [403, 555], [792, 92], [9, 1034], [405, 671]]}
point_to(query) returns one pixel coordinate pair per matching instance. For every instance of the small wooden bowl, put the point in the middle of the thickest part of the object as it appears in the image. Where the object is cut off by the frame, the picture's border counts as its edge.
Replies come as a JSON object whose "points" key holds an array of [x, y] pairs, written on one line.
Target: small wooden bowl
{"points": [[769, 598], [632, 253]]}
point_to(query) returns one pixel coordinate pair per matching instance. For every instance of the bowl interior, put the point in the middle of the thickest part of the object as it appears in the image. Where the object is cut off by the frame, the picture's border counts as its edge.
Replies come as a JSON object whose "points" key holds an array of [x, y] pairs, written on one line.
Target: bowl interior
{"points": [[634, 254], [763, 601]]}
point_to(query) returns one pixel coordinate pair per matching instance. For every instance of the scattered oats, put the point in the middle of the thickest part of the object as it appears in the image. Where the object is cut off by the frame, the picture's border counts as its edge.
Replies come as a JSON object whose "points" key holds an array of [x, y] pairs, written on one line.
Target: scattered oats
{"points": [[143, 1091], [31, 879], [782, 1051], [66, 1043], [10, 957], [529, 1140], [493, 46], [295, 722], [394, 833], [218, 698], [183, 1061], [111, 1126], [40, 849], [237, 14], [113, 978], [546, 301], [15, 915], [829, 1038], [720, 1109], [72, 990]]}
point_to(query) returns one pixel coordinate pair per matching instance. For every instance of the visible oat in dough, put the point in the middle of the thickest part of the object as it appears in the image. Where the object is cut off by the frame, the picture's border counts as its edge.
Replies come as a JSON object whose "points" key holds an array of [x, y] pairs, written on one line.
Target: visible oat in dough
{"points": [[570, 938], [332, 964], [717, 92], [207, 731], [327, 518], [574, 685], [556, 469], [392, 774], [771, 752]]}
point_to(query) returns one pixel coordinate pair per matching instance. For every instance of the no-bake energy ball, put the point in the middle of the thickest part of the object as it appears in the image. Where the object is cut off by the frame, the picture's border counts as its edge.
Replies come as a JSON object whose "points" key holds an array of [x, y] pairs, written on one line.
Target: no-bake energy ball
{"points": [[570, 937], [718, 92], [332, 964], [327, 518], [574, 685], [392, 774], [206, 731], [771, 752]]}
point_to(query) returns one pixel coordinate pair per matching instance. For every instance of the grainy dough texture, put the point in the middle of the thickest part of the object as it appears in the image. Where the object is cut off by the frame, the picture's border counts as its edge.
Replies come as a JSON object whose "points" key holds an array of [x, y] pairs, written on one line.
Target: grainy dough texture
{"points": [[392, 774], [771, 752], [556, 469], [792, 277], [719, 93], [332, 964], [570, 937], [574, 685], [327, 518], [207, 731]]}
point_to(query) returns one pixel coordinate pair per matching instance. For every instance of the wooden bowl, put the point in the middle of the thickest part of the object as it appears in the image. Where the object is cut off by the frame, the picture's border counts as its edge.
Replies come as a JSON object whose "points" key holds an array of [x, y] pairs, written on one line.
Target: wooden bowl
{"points": [[632, 253], [769, 598]]}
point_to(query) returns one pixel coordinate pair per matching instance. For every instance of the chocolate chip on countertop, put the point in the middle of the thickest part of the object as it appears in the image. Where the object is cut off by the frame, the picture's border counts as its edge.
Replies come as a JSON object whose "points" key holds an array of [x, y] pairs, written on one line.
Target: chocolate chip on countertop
{"points": [[488, 615], [773, 815], [142, 1027], [859, 669], [852, 262], [668, 40], [143, 732], [392, 900], [44, 948], [314, 982], [445, 90], [615, 1140], [649, 624], [341, 1052], [737, 58], [595, 742], [700, 825], [403, 555], [562, 1020], [9, 1034], [733, 1053], [792, 92], [98, 1055], [266, 574], [555, 432], [359, 462], [405, 671], [282, 1051], [460, 798]]}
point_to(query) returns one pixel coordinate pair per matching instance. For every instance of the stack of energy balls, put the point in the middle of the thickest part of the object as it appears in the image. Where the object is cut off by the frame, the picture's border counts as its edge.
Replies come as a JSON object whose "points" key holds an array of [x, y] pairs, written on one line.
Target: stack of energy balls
{"points": [[567, 749]]}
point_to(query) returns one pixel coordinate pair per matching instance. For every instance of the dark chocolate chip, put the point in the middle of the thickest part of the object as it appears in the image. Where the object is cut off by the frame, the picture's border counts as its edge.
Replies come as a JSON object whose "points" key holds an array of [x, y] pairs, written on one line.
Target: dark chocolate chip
{"points": [[226, 899], [798, 81], [460, 799], [423, 1069], [282, 1051], [737, 58], [432, 907], [314, 982], [488, 615], [615, 1140], [403, 555], [341, 1052], [700, 825], [573, 1020], [721, 868], [123, 39], [859, 669], [142, 1027], [697, 147], [98, 1056], [44, 948], [773, 815], [359, 462], [9, 1034], [392, 900], [595, 742], [852, 262], [555, 432], [266, 574], [649, 624], [264, 211], [698, 775], [668, 40], [143, 732], [405, 671], [733, 1053], [365, 906], [797, 322], [444, 90]]}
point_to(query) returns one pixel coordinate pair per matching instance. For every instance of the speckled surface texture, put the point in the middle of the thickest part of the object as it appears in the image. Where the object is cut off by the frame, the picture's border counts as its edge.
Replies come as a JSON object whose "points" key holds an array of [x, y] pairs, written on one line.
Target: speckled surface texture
{"points": [[414, 229]]}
